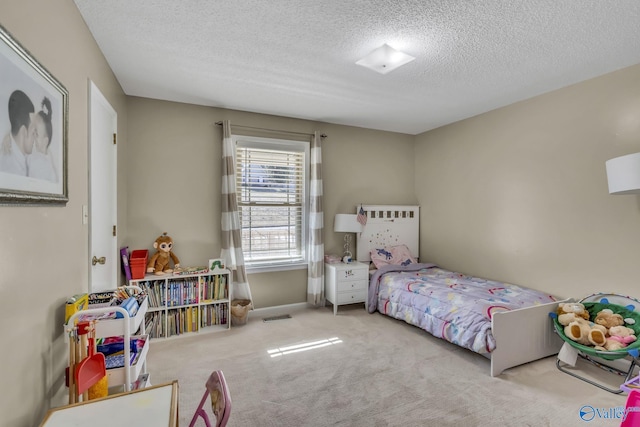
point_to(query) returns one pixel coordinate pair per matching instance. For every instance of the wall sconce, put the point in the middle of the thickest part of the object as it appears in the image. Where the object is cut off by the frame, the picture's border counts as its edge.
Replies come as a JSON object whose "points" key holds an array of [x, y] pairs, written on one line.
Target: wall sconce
{"points": [[623, 174], [347, 223]]}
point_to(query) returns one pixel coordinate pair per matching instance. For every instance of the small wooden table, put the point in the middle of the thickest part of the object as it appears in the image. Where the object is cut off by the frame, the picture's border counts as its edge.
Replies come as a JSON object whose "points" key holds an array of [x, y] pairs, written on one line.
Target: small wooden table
{"points": [[151, 406]]}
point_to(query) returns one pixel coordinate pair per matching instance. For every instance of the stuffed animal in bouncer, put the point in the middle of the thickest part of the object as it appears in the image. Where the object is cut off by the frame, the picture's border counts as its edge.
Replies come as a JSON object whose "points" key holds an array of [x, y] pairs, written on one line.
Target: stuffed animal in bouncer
{"points": [[159, 263], [583, 331], [608, 318], [619, 337], [569, 311]]}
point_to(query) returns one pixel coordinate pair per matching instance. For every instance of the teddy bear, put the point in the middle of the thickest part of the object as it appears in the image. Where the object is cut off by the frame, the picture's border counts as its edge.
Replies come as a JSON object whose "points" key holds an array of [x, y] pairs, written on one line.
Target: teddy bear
{"points": [[159, 262], [608, 318], [619, 337], [568, 311], [585, 332], [571, 312]]}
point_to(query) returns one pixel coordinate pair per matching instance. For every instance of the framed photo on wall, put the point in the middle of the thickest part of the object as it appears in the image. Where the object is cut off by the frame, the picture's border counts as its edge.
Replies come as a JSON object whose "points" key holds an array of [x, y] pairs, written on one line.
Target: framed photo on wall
{"points": [[33, 129]]}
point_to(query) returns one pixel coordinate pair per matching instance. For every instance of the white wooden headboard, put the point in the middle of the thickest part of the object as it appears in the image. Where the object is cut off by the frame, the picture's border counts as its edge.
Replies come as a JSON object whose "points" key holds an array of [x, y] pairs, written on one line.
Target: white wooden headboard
{"points": [[389, 225]]}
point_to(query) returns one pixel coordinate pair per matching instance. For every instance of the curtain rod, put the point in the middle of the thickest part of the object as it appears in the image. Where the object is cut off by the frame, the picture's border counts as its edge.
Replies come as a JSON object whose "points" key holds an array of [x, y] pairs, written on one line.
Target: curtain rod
{"points": [[324, 135]]}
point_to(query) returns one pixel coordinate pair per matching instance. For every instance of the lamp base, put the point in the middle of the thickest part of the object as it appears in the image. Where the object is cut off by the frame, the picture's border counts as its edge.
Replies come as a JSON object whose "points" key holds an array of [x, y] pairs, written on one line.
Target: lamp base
{"points": [[347, 249]]}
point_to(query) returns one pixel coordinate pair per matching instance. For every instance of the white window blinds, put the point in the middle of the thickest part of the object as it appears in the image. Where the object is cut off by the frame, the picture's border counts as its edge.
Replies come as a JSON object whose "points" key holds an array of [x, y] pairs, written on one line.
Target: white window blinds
{"points": [[270, 184]]}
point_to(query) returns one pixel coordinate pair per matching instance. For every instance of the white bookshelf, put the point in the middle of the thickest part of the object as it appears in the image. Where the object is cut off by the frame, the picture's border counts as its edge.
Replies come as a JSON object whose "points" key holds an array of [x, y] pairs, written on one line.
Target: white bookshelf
{"points": [[187, 303]]}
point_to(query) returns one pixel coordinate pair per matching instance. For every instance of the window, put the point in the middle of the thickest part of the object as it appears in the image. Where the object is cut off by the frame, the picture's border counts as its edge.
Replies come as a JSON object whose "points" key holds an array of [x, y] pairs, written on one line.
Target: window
{"points": [[271, 186]]}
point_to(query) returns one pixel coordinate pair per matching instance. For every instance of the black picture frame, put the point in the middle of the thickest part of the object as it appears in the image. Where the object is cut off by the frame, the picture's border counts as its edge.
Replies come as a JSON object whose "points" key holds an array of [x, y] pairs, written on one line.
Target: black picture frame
{"points": [[25, 84]]}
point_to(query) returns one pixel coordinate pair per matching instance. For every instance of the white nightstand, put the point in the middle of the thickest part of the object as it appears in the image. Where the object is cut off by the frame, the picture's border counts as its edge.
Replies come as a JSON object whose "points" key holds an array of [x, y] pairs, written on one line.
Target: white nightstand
{"points": [[346, 283]]}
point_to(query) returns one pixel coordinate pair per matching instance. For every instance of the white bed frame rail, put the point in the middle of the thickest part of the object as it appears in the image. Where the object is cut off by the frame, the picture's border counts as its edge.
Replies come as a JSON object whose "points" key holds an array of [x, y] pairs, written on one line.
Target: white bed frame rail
{"points": [[523, 335]]}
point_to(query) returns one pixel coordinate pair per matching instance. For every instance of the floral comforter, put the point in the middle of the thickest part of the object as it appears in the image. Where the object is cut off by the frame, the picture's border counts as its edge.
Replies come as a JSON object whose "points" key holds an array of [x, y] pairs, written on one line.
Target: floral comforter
{"points": [[448, 305]]}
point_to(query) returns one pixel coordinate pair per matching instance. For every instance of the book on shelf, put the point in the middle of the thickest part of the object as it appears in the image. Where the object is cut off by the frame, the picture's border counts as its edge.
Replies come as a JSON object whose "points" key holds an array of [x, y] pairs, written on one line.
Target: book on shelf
{"points": [[194, 318], [189, 327], [222, 291]]}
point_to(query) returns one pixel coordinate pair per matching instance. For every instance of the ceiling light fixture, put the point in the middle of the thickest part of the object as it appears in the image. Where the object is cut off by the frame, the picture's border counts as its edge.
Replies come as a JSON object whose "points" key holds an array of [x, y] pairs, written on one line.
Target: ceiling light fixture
{"points": [[385, 59]]}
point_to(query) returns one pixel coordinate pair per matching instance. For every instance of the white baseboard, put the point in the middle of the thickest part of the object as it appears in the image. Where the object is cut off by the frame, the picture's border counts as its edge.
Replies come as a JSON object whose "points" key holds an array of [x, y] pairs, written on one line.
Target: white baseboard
{"points": [[278, 310]]}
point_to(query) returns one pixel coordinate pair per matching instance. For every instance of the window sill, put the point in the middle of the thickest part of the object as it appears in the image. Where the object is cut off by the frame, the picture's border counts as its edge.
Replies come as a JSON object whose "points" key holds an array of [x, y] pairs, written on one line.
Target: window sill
{"points": [[276, 267]]}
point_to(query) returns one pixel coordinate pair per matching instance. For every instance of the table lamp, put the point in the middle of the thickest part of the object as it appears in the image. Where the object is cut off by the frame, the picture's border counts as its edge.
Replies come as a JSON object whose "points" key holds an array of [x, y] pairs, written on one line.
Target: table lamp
{"points": [[347, 223]]}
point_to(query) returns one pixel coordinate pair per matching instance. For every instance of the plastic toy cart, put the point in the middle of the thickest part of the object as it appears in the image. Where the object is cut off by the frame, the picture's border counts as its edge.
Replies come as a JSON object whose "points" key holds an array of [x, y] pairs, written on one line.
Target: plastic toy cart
{"points": [[628, 308], [123, 326]]}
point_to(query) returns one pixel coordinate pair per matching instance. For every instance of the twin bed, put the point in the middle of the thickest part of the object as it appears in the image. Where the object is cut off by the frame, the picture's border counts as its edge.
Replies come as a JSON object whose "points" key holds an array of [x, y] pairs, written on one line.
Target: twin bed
{"points": [[509, 324]]}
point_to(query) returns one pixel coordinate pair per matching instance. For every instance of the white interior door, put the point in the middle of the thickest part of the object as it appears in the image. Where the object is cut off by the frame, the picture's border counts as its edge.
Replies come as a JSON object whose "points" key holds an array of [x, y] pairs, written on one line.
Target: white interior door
{"points": [[103, 250]]}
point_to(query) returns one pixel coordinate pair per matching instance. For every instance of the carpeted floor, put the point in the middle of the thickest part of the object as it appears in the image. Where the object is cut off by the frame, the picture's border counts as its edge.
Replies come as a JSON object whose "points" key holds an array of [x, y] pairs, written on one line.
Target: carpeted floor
{"points": [[371, 371]]}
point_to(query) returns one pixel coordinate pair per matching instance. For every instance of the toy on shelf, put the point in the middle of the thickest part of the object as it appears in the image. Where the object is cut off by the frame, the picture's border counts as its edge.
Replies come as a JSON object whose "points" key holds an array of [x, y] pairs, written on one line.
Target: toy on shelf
{"points": [[159, 263], [184, 271]]}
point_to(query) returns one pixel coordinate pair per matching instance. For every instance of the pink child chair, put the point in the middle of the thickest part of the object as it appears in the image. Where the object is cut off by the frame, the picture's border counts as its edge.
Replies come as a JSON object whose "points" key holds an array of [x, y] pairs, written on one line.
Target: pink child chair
{"points": [[216, 388], [632, 410]]}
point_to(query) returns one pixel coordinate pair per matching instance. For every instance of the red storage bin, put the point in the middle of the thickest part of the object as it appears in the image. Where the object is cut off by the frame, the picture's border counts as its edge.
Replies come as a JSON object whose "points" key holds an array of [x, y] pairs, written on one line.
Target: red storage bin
{"points": [[138, 263]]}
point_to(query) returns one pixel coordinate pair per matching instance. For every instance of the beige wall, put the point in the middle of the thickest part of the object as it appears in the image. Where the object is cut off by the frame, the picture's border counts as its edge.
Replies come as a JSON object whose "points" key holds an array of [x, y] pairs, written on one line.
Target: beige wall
{"points": [[520, 193], [44, 249], [174, 181]]}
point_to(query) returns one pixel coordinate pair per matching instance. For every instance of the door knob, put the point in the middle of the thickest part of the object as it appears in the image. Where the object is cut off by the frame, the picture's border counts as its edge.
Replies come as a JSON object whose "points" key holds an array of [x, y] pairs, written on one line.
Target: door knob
{"points": [[100, 260]]}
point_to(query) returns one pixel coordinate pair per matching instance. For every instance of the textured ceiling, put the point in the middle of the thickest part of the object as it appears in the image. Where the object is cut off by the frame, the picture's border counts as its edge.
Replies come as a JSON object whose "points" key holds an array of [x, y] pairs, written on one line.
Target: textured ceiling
{"points": [[296, 58]]}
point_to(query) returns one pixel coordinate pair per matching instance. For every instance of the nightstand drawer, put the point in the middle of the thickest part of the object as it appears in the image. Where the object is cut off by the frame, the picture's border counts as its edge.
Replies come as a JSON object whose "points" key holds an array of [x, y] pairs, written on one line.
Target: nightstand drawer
{"points": [[352, 286], [352, 297], [352, 274]]}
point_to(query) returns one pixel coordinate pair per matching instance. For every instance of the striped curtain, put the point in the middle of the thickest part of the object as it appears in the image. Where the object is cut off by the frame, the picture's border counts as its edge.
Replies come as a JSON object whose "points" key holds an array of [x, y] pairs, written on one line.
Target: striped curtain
{"points": [[315, 280], [230, 219]]}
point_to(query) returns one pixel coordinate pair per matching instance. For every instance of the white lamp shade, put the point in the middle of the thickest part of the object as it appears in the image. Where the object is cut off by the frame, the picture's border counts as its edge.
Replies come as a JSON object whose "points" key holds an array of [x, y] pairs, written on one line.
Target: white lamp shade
{"points": [[347, 223], [623, 174]]}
